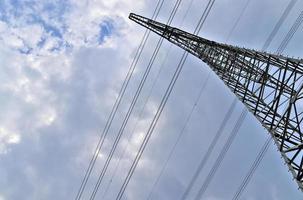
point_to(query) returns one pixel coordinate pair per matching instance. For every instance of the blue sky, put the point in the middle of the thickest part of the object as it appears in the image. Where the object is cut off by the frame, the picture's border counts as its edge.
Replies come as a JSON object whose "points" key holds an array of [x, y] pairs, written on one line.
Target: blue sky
{"points": [[62, 64]]}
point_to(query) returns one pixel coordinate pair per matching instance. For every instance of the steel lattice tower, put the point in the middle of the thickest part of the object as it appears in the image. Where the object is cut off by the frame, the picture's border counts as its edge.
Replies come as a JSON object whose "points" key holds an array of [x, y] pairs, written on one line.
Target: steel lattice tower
{"points": [[269, 85]]}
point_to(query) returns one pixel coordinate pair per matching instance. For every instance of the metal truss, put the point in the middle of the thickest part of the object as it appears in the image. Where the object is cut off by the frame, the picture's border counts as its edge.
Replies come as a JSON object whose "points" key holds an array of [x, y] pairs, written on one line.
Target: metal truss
{"points": [[269, 85]]}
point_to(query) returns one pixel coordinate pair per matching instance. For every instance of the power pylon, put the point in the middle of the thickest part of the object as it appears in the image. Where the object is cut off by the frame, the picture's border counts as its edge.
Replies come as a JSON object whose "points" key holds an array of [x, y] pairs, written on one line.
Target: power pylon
{"points": [[269, 85]]}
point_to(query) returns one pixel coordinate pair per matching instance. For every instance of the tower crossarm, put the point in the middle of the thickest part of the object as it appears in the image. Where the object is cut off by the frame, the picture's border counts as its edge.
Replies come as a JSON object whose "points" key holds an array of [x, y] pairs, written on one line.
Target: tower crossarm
{"points": [[269, 85]]}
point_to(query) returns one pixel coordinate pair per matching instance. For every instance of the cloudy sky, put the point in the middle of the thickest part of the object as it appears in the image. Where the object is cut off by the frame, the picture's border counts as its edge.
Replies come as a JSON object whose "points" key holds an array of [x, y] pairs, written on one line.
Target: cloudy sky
{"points": [[62, 64]]}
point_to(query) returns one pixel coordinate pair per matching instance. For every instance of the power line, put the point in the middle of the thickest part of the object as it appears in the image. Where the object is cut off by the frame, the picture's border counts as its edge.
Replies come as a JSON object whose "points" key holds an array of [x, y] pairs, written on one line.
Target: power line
{"points": [[221, 156], [253, 168], [210, 149], [290, 33], [133, 103], [125, 121], [116, 105], [147, 136], [137, 121], [179, 136], [238, 20], [161, 107], [144, 106], [278, 24]]}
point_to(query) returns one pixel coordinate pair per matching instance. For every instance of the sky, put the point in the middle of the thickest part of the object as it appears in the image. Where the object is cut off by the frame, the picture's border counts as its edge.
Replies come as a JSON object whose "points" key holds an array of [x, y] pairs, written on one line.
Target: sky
{"points": [[62, 64]]}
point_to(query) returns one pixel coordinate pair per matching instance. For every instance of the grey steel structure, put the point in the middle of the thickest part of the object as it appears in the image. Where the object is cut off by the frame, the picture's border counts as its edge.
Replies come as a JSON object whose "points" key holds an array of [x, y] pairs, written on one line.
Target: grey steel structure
{"points": [[269, 85]]}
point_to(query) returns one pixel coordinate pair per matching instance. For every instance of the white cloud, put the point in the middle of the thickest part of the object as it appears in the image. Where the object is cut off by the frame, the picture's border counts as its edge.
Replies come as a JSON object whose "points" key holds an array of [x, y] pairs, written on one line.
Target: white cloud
{"points": [[48, 116], [7, 137], [3, 26]]}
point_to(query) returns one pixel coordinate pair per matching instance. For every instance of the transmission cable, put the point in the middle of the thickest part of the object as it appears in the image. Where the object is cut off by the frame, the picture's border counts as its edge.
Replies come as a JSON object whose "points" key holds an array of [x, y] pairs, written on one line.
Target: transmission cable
{"points": [[124, 123], [181, 133], [133, 103], [144, 106], [238, 20], [161, 107], [210, 149], [221, 156], [278, 24], [137, 122], [253, 168], [290, 33], [116, 104]]}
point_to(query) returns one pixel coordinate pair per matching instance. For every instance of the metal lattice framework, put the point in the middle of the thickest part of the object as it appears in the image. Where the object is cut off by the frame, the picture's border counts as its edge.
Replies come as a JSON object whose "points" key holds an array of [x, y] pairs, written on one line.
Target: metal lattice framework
{"points": [[269, 85]]}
